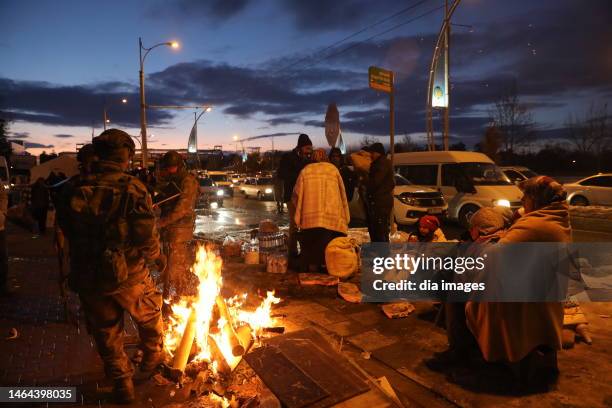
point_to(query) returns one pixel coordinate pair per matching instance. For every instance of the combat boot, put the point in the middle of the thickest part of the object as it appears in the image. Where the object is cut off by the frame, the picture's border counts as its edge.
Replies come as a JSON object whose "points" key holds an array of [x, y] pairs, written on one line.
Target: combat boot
{"points": [[150, 361], [123, 391]]}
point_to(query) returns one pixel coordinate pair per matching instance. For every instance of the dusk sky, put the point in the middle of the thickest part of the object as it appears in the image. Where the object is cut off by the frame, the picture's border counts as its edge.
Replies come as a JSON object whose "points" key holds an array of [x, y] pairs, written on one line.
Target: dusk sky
{"points": [[267, 66]]}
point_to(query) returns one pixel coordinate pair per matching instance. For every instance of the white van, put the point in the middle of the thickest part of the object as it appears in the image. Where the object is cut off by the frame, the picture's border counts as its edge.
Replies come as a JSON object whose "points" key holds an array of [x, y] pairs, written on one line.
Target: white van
{"points": [[467, 180]]}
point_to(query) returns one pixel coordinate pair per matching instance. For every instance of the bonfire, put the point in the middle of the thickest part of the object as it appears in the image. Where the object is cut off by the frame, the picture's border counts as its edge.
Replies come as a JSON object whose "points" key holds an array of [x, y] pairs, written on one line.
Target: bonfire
{"points": [[213, 330]]}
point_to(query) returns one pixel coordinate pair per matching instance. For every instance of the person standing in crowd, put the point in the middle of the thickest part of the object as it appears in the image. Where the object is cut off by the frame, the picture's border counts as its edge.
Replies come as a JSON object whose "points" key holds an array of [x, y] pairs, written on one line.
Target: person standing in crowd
{"points": [[5, 288], [349, 178], [39, 204], [527, 335], [428, 230], [279, 193], [288, 170], [108, 219], [379, 190], [321, 209], [177, 222]]}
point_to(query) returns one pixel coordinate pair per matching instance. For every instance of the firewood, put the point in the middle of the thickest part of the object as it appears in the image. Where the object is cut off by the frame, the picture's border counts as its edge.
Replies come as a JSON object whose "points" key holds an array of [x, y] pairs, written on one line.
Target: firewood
{"points": [[237, 348]]}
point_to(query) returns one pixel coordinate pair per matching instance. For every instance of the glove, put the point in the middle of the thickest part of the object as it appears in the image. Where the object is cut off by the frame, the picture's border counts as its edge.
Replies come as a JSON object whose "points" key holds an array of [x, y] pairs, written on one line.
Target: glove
{"points": [[161, 262]]}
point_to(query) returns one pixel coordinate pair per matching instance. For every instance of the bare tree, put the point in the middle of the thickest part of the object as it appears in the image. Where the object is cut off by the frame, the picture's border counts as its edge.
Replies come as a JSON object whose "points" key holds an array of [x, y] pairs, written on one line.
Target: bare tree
{"points": [[512, 119], [591, 134]]}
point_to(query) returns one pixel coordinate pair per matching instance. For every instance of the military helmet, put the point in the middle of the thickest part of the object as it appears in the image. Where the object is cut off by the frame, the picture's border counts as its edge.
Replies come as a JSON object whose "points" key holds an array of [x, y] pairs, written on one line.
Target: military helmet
{"points": [[112, 144], [86, 153], [171, 159]]}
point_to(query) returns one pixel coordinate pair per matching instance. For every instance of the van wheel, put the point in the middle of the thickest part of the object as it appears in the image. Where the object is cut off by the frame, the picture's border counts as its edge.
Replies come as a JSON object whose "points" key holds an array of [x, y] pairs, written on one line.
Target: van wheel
{"points": [[579, 201], [465, 214]]}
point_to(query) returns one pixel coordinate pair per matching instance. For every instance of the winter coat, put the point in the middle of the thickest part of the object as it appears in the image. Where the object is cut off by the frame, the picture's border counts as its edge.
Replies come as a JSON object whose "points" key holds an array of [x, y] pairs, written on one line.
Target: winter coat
{"points": [[509, 331], [320, 199]]}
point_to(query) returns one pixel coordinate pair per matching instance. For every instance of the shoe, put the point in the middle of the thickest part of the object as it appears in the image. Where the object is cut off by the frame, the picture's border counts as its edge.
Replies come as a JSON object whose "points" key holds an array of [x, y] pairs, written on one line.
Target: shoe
{"points": [[445, 360], [150, 361], [123, 391]]}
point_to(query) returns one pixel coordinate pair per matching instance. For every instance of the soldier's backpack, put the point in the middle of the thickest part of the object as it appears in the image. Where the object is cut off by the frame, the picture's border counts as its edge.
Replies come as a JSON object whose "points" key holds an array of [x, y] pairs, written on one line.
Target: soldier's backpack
{"points": [[97, 216]]}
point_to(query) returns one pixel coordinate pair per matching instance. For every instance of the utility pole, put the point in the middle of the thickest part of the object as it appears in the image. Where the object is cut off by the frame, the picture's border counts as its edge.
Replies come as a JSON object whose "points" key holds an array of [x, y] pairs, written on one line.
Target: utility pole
{"points": [[392, 117], [143, 112], [446, 73]]}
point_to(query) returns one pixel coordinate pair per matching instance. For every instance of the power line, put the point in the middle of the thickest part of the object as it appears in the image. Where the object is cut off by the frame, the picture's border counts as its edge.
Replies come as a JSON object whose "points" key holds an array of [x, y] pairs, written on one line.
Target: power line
{"points": [[395, 27], [415, 5]]}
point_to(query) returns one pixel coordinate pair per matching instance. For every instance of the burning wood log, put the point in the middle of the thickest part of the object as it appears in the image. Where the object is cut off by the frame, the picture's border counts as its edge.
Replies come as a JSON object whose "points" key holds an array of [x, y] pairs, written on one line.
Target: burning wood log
{"points": [[182, 351], [237, 347], [245, 336]]}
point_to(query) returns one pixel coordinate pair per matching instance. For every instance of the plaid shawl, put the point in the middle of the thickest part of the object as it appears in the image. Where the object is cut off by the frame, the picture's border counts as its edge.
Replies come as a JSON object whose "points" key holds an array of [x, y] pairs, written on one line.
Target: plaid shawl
{"points": [[320, 199]]}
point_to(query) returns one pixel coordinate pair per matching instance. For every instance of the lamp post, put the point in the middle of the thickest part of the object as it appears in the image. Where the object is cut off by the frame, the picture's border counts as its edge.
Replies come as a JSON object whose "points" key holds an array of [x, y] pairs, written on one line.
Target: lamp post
{"points": [[143, 106], [105, 117]]}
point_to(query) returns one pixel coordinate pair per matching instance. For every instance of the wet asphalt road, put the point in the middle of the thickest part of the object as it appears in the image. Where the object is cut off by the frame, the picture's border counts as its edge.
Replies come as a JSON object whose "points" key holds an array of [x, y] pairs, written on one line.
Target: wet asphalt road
{"points": [[239, 216]]}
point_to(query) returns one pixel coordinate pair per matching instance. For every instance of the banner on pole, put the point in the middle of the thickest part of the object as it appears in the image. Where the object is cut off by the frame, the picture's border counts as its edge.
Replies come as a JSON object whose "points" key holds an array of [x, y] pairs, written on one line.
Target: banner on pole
{"points": [[192, 144], [439, 92]]}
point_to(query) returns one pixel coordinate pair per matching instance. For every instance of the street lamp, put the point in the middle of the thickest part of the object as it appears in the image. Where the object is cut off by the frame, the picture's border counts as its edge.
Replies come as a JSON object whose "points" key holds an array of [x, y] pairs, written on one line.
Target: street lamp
{"points": [[143, 118], [105, 117]]}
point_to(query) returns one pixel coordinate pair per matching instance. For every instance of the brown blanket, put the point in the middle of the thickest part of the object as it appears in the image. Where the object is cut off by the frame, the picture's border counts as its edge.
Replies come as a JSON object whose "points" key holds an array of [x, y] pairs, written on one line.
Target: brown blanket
{"points": [[510, 331]]}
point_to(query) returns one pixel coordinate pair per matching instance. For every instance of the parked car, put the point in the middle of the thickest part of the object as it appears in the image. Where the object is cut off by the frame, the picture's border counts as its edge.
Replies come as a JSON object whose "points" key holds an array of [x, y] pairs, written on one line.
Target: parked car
{"points": [[261, 188], [238, 179], [467, 180], [211, 195], [410, 203], [516, 174], [222, 180], [593, 190]]}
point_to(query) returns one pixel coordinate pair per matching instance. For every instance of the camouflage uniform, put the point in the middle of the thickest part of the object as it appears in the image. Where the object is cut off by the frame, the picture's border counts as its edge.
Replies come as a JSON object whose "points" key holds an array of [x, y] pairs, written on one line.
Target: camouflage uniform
{"points": [[122, 208], [177, 222]]}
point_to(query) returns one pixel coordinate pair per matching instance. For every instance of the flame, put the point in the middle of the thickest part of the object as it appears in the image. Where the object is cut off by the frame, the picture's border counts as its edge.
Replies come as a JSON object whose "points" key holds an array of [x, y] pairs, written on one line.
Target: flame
{"points": [[208, 267]]}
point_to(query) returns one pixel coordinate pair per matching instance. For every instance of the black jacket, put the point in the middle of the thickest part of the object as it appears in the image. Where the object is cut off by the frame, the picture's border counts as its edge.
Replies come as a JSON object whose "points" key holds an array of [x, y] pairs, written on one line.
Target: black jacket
{"points": [[288, 171], [380, 184]]}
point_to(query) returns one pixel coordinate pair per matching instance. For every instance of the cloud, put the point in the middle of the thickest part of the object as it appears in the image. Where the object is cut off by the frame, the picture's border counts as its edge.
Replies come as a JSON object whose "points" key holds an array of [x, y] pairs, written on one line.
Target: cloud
{"points": [[324, 15], [212, 10], [19, 135], [566, 63], [81, 105], [38, 145], [63, 136]]}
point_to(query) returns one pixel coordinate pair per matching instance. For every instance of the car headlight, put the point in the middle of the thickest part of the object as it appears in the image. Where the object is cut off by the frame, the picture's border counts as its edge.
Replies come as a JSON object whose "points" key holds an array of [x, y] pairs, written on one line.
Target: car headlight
{"points": [[502, 203], [214, 205], [6, 186], [268, 191], [220, 193], [232, 185], [407, 200]]}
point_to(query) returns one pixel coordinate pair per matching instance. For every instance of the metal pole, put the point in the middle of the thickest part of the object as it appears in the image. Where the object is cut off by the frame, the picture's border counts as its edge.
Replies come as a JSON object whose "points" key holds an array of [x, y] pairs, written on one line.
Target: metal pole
{"points": [[143, 113], [446, 79], [392, 118], [105, 118]]}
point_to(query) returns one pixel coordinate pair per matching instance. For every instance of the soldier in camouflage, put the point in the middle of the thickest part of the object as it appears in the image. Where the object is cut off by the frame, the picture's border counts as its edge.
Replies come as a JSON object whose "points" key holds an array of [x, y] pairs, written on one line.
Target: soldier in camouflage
{"points": [[108, 219], [177, 222]]}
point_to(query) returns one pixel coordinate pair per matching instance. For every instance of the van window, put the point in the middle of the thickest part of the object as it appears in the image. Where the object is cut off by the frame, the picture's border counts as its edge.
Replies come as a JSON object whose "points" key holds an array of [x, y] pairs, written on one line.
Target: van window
{"points": [[450, 173], [426, 174], [484, 174]]}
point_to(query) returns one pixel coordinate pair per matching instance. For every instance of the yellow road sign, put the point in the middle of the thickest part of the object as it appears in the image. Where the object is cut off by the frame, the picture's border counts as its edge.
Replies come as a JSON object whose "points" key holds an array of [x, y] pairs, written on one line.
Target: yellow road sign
{"points": [[380, 79]]}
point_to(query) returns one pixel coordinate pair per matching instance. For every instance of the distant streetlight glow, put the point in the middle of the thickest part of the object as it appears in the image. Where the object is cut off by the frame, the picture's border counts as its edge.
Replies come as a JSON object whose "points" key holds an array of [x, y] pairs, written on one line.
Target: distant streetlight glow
{"points": [[124, 100], [209, 108], [174, 44]]}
